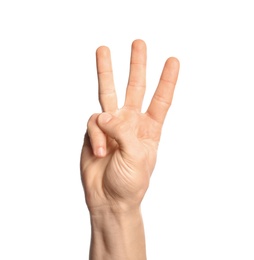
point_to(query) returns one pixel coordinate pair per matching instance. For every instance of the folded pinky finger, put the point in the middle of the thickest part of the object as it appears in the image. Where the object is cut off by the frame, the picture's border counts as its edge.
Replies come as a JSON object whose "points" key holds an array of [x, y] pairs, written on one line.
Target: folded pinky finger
{"points": [[96, 137]]}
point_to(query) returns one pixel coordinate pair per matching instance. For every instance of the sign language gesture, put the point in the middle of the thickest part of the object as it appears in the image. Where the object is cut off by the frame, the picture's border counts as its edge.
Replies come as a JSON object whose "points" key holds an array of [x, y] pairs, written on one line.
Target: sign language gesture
{"points": [[119, 155], [120, 146]]}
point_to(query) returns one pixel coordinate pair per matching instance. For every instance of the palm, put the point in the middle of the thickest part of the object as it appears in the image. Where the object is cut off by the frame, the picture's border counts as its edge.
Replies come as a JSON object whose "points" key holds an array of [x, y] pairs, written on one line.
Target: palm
{"points": [[121, 175]]}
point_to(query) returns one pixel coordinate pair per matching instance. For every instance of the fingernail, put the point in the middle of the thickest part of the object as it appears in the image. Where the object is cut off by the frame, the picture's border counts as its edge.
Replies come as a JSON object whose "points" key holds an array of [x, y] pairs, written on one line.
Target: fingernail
{"points": [[105, 117], [100, 151]]}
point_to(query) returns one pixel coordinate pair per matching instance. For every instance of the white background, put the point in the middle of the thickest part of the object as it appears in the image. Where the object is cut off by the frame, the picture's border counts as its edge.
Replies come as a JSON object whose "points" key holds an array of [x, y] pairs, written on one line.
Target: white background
{"points": [[201, 198]]}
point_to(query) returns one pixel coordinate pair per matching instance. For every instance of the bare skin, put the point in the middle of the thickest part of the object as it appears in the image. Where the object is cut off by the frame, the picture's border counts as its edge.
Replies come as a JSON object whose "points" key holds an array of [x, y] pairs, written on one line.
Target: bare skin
{"points": [[119, 155]]}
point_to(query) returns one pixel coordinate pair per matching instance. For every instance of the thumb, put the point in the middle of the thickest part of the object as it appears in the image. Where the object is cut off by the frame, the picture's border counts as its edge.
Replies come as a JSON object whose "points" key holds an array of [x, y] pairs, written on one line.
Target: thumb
{"points": [[119, 130]]}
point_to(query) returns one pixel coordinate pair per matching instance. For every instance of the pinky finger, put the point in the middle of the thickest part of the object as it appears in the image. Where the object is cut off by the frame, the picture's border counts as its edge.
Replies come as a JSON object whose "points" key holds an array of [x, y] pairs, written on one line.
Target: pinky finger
{"points": [[96, 136]]}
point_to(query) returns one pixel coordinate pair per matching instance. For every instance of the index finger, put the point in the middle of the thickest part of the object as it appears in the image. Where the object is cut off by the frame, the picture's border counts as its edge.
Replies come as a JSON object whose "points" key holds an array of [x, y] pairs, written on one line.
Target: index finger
{"points": [[163, 95], [107, 93]]}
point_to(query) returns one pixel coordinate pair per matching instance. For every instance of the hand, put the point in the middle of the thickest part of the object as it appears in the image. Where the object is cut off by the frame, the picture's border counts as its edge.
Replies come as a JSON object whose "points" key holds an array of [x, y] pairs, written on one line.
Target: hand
{"points": [[120, 146]]}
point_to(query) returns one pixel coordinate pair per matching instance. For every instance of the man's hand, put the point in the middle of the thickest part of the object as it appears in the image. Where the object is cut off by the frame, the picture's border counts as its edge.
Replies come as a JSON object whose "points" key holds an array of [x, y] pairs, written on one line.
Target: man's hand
{"points": [[120, 146], [119, 155]]}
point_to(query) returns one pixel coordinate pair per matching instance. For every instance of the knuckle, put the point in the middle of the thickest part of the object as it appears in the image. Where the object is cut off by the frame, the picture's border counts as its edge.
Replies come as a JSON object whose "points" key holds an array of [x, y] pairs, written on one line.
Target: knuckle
{"points": [[137, 84], [162, 100]]}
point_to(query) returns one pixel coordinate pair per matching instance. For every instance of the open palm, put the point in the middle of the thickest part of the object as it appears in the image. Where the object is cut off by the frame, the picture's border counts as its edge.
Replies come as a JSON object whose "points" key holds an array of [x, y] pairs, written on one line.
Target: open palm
{"points": [[119, 151]]}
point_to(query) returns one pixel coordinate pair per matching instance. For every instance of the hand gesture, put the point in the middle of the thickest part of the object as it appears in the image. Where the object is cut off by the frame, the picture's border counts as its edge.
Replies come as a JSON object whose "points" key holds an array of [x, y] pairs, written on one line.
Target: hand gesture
{"points": [[120, 146]]}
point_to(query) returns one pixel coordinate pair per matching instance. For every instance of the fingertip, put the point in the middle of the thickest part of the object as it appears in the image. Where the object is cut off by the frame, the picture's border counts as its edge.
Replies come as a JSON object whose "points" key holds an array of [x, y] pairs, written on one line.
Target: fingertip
{"points": [[100, 152], [173, 61], [138, 44], [104, 118], [103, 51]]}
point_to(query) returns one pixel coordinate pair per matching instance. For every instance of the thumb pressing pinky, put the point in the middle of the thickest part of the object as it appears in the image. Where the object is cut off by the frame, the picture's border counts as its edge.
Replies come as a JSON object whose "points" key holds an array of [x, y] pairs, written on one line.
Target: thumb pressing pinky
{"points": [[117, 129]]}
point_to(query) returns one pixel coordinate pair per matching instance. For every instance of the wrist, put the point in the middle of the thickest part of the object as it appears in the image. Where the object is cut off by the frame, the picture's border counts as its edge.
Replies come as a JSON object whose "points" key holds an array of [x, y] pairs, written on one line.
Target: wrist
{"points": [[117, 234]]}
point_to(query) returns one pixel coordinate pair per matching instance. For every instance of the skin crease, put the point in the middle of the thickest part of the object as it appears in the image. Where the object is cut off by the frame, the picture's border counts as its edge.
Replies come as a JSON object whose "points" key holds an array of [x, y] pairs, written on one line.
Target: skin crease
{"points": [[120, 147]]}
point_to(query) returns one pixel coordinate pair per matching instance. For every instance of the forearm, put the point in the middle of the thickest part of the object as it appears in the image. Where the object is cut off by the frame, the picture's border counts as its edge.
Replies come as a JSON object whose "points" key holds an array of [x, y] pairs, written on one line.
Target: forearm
{"points": [[117, 236]]}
